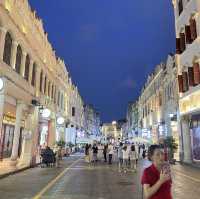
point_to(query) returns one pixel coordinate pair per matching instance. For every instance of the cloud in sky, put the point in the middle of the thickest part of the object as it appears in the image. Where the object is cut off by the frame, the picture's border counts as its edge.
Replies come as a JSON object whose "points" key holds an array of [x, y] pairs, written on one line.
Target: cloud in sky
{"points": [[128, 83], [88, 32]]}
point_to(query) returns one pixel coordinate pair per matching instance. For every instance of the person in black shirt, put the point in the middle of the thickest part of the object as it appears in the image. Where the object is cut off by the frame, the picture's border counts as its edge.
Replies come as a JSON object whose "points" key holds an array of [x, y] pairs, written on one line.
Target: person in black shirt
{"points": [[95, 152]]}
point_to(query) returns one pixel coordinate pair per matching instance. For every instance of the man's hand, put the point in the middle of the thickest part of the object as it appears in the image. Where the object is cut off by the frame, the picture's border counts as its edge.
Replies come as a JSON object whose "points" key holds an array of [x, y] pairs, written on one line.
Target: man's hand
{"points": [[164, 176]]}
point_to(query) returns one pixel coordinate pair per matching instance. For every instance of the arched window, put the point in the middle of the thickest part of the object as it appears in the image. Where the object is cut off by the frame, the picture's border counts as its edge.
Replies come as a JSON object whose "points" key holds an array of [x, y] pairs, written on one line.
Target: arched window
{"points": [[45, 84], [41, 78], [33, 75], [18, 59], [7, 49], [27, 64]]}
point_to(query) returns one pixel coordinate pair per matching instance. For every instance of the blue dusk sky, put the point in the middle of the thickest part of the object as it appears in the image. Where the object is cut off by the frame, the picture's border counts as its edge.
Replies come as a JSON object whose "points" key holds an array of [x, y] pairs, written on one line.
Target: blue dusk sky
{"points": [[110, 46]]}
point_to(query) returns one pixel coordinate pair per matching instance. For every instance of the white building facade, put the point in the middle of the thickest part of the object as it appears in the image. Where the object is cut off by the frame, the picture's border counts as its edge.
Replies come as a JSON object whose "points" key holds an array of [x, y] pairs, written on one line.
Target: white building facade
{"points": [[187, 22]]}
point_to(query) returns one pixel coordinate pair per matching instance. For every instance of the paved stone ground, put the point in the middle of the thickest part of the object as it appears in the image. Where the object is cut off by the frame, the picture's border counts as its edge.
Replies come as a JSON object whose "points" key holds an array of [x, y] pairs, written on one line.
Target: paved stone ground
{"points": [[100, 181]]}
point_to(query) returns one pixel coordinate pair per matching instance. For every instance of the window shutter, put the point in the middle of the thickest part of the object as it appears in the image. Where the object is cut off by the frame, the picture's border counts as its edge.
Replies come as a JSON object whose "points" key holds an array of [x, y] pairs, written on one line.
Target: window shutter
{"points": [[196, 73], [180, 83], [193, 29], [188, 35], [182, 42], [178, 46], [180, 6], [185, 82], [191, 76]]}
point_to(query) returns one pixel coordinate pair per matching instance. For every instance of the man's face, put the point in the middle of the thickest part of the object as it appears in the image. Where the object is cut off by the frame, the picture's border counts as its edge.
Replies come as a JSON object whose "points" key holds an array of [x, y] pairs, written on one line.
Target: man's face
{"points": [[158, 157]]}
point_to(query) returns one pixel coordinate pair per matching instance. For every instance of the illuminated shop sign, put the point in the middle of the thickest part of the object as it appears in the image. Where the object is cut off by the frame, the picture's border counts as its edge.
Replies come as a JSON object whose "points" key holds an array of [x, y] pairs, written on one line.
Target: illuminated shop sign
{"points": [[8, 119], [46, 113], [60, 120]]}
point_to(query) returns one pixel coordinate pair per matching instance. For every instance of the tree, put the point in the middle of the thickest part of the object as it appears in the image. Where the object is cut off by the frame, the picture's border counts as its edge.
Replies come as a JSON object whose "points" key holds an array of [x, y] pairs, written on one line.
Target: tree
{"points": [[172, 146], [61, 143]]}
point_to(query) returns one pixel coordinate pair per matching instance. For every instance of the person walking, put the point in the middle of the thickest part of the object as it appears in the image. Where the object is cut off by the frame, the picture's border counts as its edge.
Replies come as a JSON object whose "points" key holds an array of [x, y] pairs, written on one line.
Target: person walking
{"points": [[87, 153], [156, 179], [95, 152], [90, 153], [110, 153], [125, 158], [133, 158], [120, 156], [105, 150]]}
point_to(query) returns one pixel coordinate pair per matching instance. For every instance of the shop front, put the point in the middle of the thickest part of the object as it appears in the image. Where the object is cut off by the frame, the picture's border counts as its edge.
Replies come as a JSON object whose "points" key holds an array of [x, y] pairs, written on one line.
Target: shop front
{"points": [[60, 129], [7, 135], [44, 122], [195, 137]]}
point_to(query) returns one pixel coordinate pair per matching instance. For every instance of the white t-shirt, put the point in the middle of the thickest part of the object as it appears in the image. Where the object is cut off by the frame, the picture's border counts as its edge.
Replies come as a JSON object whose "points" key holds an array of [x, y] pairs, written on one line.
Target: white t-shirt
{"points": [[125, 154], [110, 149], [133, 155]]}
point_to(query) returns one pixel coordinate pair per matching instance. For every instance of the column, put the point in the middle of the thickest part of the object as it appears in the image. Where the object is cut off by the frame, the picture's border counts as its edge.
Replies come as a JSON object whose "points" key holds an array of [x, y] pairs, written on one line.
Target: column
{"points": [[186, 139], [38, 71], [2, 41], [47, 84], [43, 79], [50, 90], [51, 132], [13, 54], [2, 105], [30, 72], [27, 143], [23, 62], [19, 111], [35, 156]]}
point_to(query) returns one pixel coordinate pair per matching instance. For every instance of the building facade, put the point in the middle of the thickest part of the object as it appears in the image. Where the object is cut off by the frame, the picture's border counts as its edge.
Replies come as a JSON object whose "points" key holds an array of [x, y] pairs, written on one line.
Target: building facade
{"points": [[37, 94], [112, 132], [187, 25], [92, 122], [132, 120], [170, 101], [150, 106]]}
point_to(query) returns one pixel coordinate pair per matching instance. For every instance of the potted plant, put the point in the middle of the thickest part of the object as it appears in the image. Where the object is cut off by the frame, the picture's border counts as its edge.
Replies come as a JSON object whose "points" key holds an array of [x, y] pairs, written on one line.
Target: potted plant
{"points": [[172, 146], [61, 143]]}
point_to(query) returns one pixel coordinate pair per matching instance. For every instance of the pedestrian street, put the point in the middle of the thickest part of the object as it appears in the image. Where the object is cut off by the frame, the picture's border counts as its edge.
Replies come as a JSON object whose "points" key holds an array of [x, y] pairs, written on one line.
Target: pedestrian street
{"points": [[76, 179]]}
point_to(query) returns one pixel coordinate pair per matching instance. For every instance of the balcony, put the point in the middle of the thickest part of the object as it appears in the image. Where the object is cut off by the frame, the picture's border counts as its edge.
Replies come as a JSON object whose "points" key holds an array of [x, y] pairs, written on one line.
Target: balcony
{"points": [[193, 6], [191, 51]]}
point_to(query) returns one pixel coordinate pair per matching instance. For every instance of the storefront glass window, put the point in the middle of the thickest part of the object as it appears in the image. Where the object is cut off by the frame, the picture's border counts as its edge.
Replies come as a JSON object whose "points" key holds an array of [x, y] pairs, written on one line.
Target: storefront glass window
{"points": [[196, 138]]}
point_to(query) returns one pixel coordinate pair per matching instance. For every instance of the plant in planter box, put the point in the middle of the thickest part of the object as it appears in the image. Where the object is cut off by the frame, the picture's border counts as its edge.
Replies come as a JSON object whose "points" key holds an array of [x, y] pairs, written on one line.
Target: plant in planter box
{"points": [[172, 146]]}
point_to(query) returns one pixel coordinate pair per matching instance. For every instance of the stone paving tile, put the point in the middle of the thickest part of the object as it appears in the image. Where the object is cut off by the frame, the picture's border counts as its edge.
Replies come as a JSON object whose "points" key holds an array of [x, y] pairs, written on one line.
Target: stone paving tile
{"points": [[93, 182], [26, 184]]}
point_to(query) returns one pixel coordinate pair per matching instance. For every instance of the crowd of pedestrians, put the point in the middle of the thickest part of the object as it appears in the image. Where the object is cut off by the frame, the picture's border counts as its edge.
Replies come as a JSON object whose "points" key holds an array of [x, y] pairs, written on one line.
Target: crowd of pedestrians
{"points": [[156, 179], [126, 155]]}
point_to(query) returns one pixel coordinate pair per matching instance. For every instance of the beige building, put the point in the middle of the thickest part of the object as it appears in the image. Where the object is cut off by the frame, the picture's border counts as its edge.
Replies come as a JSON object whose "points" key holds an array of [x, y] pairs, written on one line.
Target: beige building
{"points": [[187, 24], [170, 101], [111, 132], [150, 105], [37, 96]]}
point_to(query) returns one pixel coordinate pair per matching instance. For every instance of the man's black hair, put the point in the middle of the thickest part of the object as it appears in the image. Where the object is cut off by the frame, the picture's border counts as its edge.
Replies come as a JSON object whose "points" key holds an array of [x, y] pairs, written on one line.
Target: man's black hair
{"points": [[152, 149]]}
